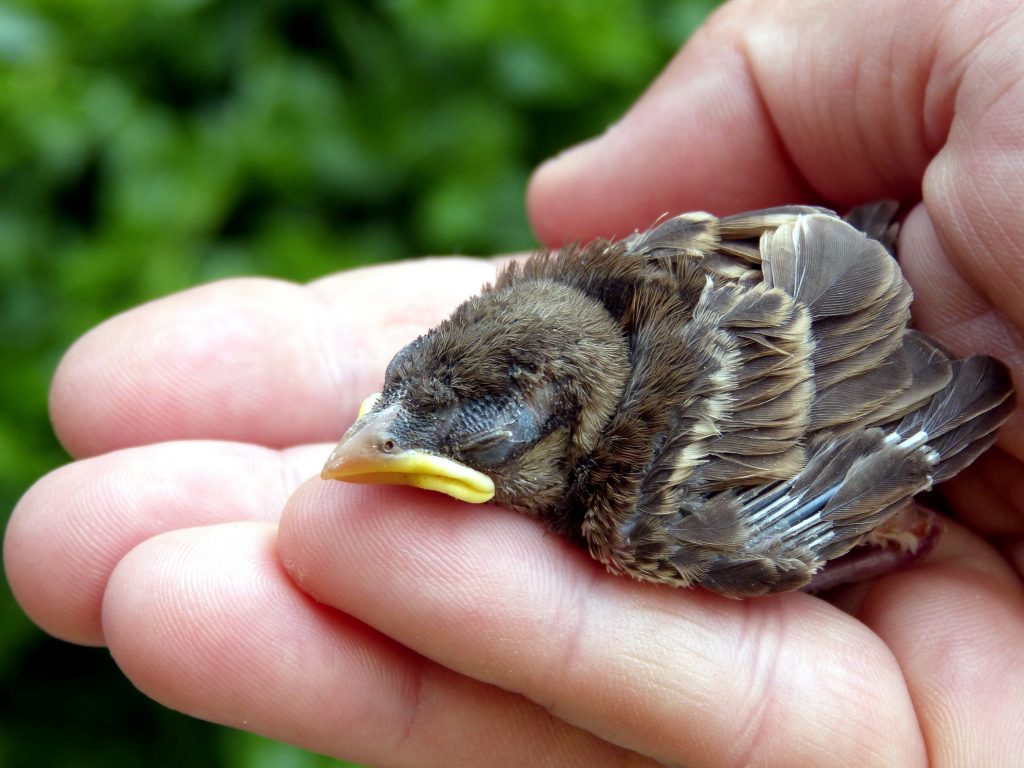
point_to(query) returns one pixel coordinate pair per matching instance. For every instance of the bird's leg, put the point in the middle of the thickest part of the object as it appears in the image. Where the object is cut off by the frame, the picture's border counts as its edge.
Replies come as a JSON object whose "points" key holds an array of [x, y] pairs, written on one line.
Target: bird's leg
{"points": [[895, 546]]}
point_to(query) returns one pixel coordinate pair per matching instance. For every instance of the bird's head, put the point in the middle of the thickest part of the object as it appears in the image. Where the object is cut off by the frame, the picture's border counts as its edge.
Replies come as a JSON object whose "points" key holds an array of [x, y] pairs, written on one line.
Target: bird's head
{"points": [[498, 401]]}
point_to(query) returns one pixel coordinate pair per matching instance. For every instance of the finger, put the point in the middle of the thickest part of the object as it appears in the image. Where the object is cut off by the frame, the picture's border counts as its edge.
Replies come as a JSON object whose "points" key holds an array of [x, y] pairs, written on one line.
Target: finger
{"points": [[257, 361], [956, 625], [1014, 549], [207, 622], [73, 526], [681, 676], [988, 496], [953, 303], [769, 102]]}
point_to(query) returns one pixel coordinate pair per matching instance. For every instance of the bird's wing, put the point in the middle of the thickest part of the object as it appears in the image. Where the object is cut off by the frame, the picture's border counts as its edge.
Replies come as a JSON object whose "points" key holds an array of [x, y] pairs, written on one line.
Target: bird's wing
{"points": [[885, 412]]}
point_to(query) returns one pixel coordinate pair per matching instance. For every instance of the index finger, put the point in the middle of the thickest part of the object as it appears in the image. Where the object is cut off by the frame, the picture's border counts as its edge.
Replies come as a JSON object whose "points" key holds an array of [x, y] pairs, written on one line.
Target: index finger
{"points": [[250, 360]]}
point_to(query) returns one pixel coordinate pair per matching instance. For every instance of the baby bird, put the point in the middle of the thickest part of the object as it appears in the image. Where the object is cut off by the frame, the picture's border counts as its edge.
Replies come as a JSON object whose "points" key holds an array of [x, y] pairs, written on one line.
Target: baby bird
{"points": [[730, 402]]}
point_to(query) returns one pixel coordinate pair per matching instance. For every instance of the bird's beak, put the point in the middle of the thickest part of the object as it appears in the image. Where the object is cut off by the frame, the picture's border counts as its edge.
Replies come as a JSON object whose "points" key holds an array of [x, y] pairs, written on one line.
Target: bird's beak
{"points": [[369, 454]]}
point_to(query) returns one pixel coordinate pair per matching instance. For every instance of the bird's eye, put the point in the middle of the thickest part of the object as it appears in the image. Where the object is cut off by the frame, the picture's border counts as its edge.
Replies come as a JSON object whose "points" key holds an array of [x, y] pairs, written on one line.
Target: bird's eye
{"points": [[488, 432], [487, 448]]}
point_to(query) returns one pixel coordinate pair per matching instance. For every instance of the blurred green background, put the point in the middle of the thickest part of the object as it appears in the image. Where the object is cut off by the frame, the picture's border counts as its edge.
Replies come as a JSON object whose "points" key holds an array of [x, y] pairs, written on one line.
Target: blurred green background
{"points": [[149, 146]]}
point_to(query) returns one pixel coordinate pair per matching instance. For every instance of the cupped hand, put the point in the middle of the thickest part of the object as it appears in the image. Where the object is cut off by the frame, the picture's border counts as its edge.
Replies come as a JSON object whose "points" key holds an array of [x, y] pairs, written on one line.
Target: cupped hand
{"points": [[398, 627]]}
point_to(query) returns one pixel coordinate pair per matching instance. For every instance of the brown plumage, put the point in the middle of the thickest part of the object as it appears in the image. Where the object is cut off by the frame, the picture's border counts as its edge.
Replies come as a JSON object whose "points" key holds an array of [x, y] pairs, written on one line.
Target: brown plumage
{"points": [[729, 402]]}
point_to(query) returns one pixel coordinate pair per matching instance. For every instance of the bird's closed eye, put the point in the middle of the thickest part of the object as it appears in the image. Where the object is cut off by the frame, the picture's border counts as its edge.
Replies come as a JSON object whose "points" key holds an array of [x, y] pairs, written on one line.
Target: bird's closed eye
{"points": [[489, 447]]}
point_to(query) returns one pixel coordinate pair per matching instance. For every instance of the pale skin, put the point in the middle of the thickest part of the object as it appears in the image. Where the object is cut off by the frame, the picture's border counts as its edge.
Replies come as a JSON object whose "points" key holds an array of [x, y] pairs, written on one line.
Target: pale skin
{"points": [[397, 627]]}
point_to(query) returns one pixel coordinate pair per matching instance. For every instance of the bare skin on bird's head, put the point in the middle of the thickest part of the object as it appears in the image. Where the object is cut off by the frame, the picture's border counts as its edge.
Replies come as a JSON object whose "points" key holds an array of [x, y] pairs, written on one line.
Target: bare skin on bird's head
{"points": [[727, 402]]}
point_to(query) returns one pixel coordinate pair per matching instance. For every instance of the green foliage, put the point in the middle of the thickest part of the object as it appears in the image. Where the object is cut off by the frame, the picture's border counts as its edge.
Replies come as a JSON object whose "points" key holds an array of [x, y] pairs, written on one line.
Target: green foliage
{"points": [[149, 146]]}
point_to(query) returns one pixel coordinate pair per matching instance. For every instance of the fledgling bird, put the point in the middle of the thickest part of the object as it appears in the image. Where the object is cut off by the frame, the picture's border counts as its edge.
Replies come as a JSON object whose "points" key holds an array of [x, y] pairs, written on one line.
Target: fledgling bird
{"points": [[730, 402]]}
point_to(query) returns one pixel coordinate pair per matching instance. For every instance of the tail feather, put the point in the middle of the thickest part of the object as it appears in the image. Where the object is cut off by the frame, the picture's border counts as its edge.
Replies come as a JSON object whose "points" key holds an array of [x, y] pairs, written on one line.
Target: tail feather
{"points": [[958, 461], [961, 446], [961, 419], [977, 385]]}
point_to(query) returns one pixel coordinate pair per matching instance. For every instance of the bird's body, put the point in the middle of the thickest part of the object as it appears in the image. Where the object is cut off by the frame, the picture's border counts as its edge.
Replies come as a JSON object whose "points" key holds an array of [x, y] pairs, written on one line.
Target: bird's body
{"points": [[728, 402]]}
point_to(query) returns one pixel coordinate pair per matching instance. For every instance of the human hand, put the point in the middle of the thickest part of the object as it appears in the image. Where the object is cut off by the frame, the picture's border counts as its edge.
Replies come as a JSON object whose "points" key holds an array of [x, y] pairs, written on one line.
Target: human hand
{"points": [[446, 634]]}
